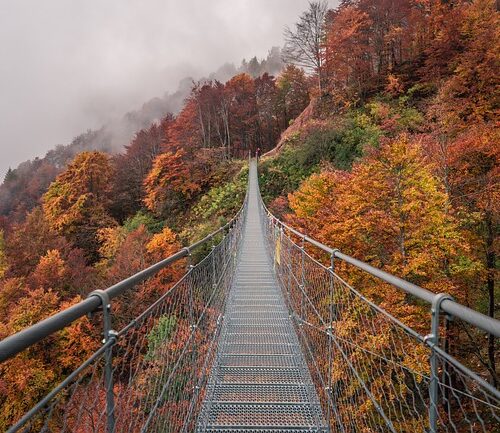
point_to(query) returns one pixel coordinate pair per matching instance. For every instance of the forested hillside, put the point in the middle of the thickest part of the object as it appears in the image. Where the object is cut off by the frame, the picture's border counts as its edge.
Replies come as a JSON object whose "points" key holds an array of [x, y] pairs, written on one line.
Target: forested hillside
{"points": [[381, 140], [73, 224], [396, 160], [23, 186]]}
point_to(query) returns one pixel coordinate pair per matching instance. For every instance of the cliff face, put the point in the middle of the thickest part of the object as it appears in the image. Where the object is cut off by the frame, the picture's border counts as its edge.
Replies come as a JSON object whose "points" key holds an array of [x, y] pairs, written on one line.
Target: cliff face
{"points": [[304, 121]]}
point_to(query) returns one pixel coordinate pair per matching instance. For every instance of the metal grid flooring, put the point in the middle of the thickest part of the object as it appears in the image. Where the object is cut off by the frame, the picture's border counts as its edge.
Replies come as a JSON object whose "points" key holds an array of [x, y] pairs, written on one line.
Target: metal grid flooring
{"points": [[259, 382]]}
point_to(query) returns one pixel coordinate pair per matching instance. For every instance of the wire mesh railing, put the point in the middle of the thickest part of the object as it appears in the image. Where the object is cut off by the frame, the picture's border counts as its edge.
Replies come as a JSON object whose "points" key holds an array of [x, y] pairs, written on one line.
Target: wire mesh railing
{"points": [[150, 375], [372, 372]]}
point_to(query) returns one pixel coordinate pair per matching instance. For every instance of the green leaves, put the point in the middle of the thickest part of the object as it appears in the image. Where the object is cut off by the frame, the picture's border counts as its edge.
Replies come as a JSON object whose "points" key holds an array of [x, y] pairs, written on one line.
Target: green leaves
{"points": [[159, 335]]}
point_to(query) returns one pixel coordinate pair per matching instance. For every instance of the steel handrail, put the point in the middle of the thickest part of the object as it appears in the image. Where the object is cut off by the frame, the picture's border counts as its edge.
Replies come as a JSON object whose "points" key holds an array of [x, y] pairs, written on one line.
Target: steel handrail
{"points": [[15, 343], [449, 306]]}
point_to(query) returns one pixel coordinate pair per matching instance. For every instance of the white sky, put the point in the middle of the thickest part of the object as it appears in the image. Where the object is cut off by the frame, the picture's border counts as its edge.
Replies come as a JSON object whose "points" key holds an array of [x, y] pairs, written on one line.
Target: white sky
{"points": [[70, 65]]}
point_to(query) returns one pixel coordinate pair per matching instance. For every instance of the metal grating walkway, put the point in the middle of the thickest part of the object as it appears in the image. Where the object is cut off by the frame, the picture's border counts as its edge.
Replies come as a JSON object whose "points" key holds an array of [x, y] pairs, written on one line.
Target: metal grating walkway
{"points": [[260, 381]]}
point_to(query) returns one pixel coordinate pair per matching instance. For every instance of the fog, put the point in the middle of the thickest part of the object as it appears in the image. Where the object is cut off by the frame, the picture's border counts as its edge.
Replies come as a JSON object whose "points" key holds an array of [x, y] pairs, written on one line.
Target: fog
{"points": [[68, 66]]}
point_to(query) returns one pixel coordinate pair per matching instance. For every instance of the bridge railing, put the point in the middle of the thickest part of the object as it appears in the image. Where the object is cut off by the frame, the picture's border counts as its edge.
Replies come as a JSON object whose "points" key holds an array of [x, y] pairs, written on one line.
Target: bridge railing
{"points": [[150, 374], [374, 373]]}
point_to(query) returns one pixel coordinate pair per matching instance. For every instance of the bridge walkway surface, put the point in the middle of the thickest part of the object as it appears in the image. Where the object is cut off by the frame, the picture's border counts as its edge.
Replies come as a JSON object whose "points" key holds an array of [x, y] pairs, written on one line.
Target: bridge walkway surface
{"points": [[259, 381]]}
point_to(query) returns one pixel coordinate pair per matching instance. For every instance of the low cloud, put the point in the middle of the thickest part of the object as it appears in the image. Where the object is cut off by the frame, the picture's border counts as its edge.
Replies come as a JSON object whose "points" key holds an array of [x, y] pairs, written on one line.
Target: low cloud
{"points": [[69, 66]]}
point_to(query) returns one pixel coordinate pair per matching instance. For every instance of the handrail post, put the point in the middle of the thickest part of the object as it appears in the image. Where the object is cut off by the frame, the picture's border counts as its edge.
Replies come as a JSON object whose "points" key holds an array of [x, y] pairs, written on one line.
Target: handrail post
{"points": [[214, 278], [192, 322], [333, 395], [289, 267], [433, 340], [303, 280], [330, 336], [109, 334]]}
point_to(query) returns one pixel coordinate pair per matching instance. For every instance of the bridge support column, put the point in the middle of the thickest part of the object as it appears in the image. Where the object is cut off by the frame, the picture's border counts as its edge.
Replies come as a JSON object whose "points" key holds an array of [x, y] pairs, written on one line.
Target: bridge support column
{"points": [[303, 280], [109, 334], [433, 341]]}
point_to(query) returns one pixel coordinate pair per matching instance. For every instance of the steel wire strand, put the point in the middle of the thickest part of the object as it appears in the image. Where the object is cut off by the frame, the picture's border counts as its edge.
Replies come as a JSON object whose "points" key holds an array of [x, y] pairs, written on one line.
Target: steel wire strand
{"points": [[376, 360], [160, 358]]}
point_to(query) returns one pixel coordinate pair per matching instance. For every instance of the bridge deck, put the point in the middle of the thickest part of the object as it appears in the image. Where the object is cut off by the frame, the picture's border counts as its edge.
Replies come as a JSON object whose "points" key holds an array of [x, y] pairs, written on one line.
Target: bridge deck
{"points": [[260, 381]]}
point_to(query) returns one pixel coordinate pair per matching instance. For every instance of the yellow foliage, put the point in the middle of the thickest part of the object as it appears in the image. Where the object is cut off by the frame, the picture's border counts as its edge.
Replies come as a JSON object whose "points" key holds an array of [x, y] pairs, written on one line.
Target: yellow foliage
{"points": [[50, 270], [392, 212], [110, 238], [163, 244], [79, 193]]}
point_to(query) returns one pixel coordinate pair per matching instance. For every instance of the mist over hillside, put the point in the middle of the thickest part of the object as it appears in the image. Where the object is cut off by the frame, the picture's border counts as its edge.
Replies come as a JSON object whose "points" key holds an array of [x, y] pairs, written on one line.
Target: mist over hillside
{"points": [[70, 67], [25, 184]]}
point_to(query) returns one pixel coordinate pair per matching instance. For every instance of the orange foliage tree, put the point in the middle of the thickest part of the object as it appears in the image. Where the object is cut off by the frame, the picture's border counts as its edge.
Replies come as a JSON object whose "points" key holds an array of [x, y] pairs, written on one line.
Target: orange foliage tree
{"points": [[170, 181], [75, 203], [391, 211], [348, 53], [471, 94], [25, 379], [292, 87]]}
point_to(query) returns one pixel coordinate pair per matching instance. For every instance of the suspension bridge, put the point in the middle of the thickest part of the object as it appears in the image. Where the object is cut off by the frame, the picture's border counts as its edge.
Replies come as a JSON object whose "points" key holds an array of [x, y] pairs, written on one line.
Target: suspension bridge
{"points": [[268, 330]]}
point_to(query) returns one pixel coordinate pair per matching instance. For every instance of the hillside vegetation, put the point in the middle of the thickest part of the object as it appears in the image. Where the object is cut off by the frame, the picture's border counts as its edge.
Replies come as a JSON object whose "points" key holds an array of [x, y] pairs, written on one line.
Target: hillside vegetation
{"points": [[106, 216], [386, 147], [396, 160]]}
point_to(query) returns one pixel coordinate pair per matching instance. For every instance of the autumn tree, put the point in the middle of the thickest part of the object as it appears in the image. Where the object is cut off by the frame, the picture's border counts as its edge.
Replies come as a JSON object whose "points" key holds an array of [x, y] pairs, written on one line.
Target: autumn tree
{"points": [[213, 114], [161, 246], [473, 176], [125, 253], [25, 378], [76, 202], [50, 271], [267, 120], [243, 114], [372, 44], [391, 212], [304, 45], [471, 93], [439, 39], [292, 94], [23, 187], [348, 54], [170, 181], [30, 241], [131, 167]]}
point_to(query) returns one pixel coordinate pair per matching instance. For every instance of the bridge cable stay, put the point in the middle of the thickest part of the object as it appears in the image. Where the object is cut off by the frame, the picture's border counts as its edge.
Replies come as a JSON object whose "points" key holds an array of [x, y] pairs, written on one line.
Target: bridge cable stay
{"points": [[270, 331]]}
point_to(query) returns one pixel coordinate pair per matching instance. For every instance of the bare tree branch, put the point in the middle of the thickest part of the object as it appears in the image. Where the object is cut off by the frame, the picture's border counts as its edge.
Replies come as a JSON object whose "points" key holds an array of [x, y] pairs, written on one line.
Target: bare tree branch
{"points": [[304, 45]]}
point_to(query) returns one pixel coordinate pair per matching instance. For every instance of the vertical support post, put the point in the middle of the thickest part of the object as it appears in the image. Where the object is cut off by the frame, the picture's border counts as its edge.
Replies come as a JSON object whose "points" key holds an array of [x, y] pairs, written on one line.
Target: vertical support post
{"points": [[214, 277], [189, 268], [289, 269], [192, 325], [433, 341], [303, 280], [330, 336], [446, 379], [332, 395], [109, 334]]}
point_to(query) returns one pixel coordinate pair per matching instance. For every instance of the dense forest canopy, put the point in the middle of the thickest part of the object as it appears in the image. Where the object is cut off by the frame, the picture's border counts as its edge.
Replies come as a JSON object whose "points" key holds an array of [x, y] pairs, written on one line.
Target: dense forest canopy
{"points": [[381, 138]]}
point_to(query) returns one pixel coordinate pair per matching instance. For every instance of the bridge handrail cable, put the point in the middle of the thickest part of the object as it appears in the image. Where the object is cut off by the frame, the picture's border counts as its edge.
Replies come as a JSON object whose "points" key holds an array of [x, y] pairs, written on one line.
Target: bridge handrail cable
{"points": [[13, 344], [448, 305]]}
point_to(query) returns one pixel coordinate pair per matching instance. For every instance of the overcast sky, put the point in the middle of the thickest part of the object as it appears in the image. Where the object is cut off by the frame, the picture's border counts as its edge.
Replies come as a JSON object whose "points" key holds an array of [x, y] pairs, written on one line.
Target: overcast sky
{"points": [[70, 65]]}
